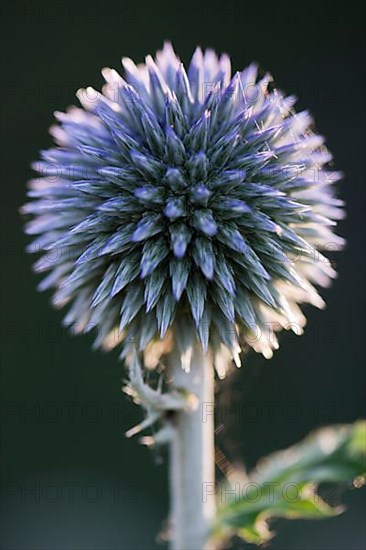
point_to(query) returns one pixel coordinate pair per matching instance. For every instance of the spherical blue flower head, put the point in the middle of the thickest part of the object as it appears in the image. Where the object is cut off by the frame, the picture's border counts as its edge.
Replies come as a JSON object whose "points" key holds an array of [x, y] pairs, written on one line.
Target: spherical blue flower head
{"points": [[184, 204]]}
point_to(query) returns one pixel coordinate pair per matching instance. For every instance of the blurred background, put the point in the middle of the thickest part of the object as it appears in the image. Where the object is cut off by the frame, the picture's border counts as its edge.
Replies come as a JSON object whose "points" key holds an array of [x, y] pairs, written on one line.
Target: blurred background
{"points": [[70, 480]]}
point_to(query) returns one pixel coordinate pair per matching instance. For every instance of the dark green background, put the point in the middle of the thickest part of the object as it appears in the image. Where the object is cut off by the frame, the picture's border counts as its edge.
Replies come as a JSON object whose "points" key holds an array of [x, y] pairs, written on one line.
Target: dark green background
{"points": [[315, 50]]}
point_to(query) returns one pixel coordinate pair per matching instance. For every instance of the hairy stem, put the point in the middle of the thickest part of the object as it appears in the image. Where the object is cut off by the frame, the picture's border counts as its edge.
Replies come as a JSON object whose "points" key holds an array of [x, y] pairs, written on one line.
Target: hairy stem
{"points": [[192, 460]]}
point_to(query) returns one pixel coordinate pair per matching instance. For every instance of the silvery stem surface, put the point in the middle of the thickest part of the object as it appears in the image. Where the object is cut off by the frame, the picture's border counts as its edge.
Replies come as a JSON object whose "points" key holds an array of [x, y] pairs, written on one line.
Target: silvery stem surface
{"points": [[192, 456]]}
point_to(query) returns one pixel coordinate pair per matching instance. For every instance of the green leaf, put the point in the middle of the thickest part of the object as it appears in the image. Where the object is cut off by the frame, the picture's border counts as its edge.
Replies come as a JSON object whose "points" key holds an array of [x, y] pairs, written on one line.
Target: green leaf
{"points": [[284, 484]]}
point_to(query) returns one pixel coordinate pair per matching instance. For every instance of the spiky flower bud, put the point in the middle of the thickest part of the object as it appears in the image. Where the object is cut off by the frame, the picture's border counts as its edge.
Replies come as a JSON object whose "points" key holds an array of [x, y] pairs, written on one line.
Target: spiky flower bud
{"points": [[183, 205]]}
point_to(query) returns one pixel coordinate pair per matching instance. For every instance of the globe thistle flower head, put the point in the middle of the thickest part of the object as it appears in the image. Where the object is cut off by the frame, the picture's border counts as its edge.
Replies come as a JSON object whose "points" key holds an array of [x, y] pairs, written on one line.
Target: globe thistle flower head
{"points": [[184, 205]]}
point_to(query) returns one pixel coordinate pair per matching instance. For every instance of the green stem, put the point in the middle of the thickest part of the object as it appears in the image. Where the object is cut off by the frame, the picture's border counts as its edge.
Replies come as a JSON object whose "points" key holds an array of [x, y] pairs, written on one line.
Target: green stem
{"points": [[192, 455]]}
